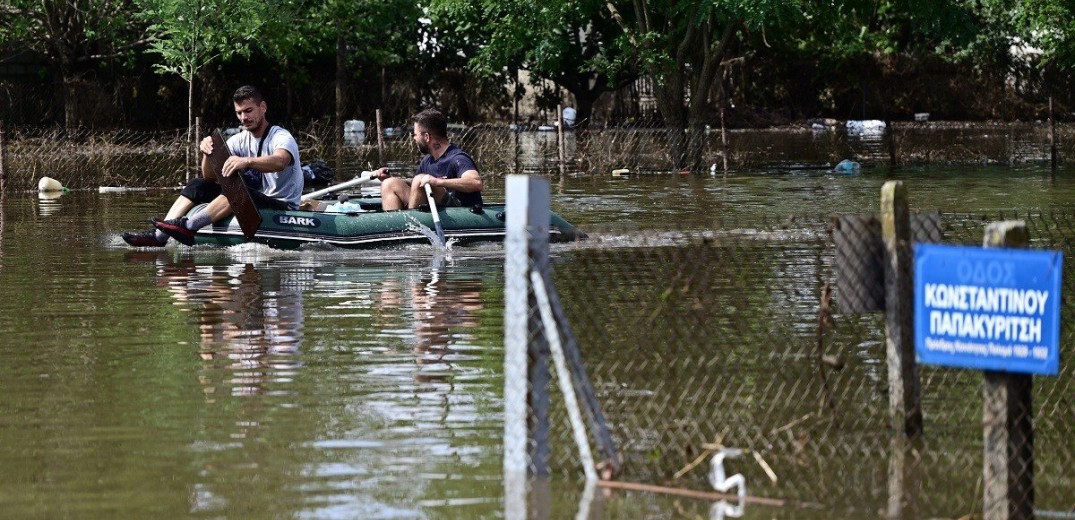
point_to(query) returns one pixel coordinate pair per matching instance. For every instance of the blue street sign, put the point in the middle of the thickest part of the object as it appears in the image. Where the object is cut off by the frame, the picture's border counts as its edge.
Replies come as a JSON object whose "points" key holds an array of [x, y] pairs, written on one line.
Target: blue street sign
{"points": [[988, 309]]}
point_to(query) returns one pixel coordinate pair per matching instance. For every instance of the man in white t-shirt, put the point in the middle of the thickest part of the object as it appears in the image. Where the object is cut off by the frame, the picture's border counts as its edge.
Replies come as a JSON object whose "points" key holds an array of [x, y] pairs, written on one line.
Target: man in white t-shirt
{"points": [[267, 158]]}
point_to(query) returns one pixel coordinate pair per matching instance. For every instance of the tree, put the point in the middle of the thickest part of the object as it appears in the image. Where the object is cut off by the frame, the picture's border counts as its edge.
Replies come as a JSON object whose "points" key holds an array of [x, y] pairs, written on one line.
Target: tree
{"points": [[682, 44], [885, 53], [190, 34], [76, 35], [565, 41], [364, 37], [1040, 36]]}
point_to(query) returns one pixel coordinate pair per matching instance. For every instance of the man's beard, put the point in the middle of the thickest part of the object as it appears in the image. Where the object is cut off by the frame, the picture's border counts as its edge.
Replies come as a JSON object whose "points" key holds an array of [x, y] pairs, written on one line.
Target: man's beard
{"points": [[422, 147]]}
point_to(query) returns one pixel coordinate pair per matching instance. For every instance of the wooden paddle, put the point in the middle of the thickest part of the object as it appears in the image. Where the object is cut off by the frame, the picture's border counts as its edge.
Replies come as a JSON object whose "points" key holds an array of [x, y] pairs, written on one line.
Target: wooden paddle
{"points": [[436, 215], [234, 189]]}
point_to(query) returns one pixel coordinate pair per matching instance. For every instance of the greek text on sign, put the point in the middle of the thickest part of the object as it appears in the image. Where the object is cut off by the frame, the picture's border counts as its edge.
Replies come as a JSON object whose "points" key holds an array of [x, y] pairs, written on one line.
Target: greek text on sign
{"points": [[990, 309]]}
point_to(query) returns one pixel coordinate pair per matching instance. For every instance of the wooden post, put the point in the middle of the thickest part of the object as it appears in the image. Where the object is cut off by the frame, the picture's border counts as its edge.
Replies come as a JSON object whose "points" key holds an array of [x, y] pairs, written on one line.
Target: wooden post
{"points": [[3, 187], [560, 137], [526, 366], [902, 478], [197, 139], [904, 394], [1052, 135], [3, 162], [890, 140], [1007, 419], [723, 142], [380, 139]]}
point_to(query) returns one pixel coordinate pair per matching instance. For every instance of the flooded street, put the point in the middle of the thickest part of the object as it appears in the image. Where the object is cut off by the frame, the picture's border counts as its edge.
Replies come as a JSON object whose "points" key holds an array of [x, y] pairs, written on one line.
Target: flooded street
{"points": [[254, 383]]}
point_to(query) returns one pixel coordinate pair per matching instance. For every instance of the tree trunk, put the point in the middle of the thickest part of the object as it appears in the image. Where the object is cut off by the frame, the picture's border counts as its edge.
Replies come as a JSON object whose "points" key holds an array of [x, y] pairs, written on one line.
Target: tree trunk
{"points": [[190, 127], [71, 89], [668, 94], [341, 80], [584, 111]]}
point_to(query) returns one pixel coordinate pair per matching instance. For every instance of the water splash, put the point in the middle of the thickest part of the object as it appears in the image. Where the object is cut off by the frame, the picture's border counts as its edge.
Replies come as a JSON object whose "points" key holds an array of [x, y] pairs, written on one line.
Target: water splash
{"points": [[414, 225]]}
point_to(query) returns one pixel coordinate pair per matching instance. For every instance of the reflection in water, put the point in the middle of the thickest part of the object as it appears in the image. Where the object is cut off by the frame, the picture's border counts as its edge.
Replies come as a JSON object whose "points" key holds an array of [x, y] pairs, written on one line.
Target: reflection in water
{"points": [[48, 202], [250, 321], [441, 313], [397, 342]]}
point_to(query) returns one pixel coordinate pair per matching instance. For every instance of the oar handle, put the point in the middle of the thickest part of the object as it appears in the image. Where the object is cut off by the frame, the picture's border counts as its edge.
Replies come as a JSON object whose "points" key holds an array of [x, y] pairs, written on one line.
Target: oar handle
{"points": [[361, 179]]}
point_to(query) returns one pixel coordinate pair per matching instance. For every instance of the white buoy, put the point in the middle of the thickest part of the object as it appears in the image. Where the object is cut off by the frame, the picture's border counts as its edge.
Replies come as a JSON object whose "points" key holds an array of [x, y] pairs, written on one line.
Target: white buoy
{"points": [[47, 184], [620, 172]]}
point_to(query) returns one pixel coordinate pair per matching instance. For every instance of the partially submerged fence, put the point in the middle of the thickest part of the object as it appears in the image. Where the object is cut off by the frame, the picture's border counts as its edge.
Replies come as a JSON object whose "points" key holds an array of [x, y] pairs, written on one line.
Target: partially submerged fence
{"points": [[726, 351], [83, 158]]}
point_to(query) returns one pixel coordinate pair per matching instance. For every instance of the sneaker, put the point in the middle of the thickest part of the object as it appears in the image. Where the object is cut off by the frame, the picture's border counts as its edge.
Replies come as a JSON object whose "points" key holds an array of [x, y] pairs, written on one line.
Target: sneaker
{"points": [[143, 239], [176, 228]]}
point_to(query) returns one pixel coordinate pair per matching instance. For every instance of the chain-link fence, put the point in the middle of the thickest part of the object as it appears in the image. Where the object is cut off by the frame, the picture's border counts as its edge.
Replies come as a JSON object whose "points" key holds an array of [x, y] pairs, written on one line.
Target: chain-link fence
{"points": [[731, 341], [89, 158]]}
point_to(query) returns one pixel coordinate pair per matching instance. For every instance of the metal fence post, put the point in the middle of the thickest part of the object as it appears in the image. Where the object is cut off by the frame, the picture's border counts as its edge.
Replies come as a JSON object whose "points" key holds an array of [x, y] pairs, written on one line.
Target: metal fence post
{"points": [[1007, 417], [904, 394], [525, 390]]}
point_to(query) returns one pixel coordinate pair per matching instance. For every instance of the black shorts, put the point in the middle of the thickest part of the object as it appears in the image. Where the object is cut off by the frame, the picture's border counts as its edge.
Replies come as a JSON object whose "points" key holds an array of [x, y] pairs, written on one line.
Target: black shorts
{"points": [[450, 201], [202, 191]]}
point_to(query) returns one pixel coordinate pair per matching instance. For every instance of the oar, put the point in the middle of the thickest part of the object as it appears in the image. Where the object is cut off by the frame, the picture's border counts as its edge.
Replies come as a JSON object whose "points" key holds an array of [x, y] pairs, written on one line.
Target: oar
{"points": [[242, 206], [436, 216], [361, 179]]}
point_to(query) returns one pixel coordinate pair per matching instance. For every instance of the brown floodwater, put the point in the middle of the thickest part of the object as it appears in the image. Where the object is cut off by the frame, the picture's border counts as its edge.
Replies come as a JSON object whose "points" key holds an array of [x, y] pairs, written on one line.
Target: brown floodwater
{"points": [[252, 383]]}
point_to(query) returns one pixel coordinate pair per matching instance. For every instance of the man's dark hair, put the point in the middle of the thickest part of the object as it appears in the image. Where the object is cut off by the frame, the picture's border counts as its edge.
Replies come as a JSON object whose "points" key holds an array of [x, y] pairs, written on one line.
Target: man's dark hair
{"points": [[246, 92], [433, 121]]}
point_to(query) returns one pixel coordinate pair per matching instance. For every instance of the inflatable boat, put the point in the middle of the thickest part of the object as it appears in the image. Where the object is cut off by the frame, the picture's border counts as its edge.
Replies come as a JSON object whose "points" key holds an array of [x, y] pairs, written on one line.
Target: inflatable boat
{"points": [[361, 223]]}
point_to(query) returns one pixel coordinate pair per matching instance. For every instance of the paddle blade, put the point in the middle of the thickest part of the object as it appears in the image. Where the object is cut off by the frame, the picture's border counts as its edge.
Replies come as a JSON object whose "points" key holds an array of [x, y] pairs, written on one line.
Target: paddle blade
{"points": [[234, 189], [440, 231]]}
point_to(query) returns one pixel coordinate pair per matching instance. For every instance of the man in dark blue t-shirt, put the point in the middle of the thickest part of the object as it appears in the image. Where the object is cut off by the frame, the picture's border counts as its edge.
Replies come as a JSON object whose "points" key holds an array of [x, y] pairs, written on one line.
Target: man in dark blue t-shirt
{"points": [[446, 168]]}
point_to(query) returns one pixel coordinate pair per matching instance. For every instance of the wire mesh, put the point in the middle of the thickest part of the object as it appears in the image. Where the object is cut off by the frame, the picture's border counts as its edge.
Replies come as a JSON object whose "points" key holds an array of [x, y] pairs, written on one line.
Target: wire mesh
{"points": [[91, 157], [732, 337]]}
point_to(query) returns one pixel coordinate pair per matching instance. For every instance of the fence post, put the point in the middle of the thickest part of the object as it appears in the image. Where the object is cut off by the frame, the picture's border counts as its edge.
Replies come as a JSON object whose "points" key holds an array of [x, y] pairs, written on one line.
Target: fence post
{"points": [[526, 367], [3, 188], [890, 142], [723, 141], [197, 141], [903, 477], [560, 137], [3, 162], [380, 140], [1052, 135], [1007, 419], [904, 395]]}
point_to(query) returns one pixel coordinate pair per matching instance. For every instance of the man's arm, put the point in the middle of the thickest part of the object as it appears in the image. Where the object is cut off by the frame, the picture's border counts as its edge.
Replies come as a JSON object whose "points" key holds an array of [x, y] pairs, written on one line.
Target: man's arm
{"points": [[469, 182], [206, 147], [279, 160]]}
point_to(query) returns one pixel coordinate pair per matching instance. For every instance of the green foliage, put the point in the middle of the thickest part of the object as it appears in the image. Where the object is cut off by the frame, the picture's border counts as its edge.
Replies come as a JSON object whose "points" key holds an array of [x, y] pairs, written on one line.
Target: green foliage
{"points": [[190, 34], [1047, 26], [73, 32], [572, 43]]}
